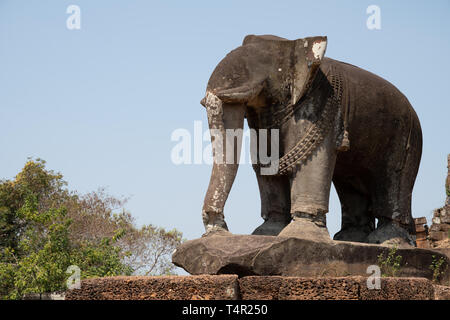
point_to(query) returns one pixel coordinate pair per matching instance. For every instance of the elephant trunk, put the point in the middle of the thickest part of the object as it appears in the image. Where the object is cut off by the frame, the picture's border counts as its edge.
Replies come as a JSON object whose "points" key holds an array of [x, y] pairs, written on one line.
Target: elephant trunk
{"points": [[225, 123]]}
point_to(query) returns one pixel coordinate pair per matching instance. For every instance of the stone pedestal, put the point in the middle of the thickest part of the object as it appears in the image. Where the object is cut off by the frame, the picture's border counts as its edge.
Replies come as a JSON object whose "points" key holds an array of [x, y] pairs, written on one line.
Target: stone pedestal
{"points": [[230, 287], [250, 255], [204, 287]]}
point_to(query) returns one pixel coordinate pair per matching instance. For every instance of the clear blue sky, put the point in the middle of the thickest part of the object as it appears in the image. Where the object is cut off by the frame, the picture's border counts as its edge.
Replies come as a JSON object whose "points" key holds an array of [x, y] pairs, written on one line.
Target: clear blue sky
{"points": [[99, 104]]}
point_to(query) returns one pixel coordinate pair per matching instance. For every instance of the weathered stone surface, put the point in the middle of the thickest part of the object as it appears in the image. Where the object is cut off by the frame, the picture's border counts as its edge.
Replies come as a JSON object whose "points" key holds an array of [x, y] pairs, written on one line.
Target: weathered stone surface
{"points": [[398, 289], [320, 289], [267, 255], [204, 287], [422, 240], [438, 235], [260, 287], [446, 220], [255, 288], [420, 221], [441, 292], [423, 243], [445, 225], [420, 228], [299, 288], [335, 288], [445, 251]]}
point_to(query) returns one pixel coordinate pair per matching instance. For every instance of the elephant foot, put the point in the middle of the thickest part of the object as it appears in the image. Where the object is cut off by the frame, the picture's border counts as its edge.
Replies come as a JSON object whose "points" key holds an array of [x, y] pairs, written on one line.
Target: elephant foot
{"points": [[214, 224], [308, 227], [391, 234], [271, 227], [353, 234]]}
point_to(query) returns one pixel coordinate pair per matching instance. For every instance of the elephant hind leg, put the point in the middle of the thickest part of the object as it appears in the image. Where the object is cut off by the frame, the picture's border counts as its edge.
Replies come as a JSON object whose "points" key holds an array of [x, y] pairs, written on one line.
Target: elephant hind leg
{"points": [[392, 208], [357, 220], [393, 188], [275, 204]]}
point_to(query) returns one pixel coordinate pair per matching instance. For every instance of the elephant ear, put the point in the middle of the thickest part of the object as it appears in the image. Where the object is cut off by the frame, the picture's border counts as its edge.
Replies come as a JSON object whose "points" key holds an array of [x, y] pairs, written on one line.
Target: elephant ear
{"points": [[308, 54]]}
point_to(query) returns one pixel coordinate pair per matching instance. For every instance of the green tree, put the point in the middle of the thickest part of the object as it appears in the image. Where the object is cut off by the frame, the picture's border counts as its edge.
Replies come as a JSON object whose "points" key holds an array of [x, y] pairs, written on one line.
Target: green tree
{"points": [[44, 229], [33, 185]]}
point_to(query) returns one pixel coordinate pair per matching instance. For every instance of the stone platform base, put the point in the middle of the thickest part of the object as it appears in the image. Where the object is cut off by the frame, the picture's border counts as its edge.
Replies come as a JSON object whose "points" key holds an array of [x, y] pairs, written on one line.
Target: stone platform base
{"points": [[249, 255], [230, 287]]}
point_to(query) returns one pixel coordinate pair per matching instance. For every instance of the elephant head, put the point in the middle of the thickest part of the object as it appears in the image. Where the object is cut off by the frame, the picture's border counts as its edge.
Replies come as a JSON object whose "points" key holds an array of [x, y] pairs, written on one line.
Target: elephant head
{"points": [[264, 70]]}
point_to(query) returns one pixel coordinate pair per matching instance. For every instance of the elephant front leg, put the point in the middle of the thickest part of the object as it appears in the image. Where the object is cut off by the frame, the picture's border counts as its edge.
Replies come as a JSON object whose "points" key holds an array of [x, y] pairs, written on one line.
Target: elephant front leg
{"points": [[225, 122], [275, 204], [310, 192]]}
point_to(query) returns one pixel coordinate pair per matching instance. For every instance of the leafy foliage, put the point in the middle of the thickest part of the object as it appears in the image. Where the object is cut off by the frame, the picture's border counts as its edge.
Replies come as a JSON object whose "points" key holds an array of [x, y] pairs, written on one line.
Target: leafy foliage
{"points": [[438, 267], [44, 229], [391, 264]]}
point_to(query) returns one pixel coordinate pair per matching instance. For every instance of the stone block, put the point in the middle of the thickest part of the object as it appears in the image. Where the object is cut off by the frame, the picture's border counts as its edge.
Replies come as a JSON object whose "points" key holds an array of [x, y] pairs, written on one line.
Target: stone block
{"points": [[260, 287], [334, 288], [226, 287], [420, 221], [423, 243], [204, 287], [420, 228], [343, 288], [438, 235], [247, 255], [399, 289], [421, 236], [441, 292]]}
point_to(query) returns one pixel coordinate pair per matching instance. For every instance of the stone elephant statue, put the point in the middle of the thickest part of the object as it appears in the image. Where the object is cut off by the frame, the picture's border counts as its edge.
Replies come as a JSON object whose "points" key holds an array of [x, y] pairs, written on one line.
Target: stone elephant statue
{"points": [[336, 123]]}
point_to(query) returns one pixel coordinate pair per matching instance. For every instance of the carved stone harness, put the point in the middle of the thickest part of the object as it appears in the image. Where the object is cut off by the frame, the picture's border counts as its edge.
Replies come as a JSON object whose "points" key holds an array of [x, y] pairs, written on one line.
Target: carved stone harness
{"points": [[315, 134]]}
